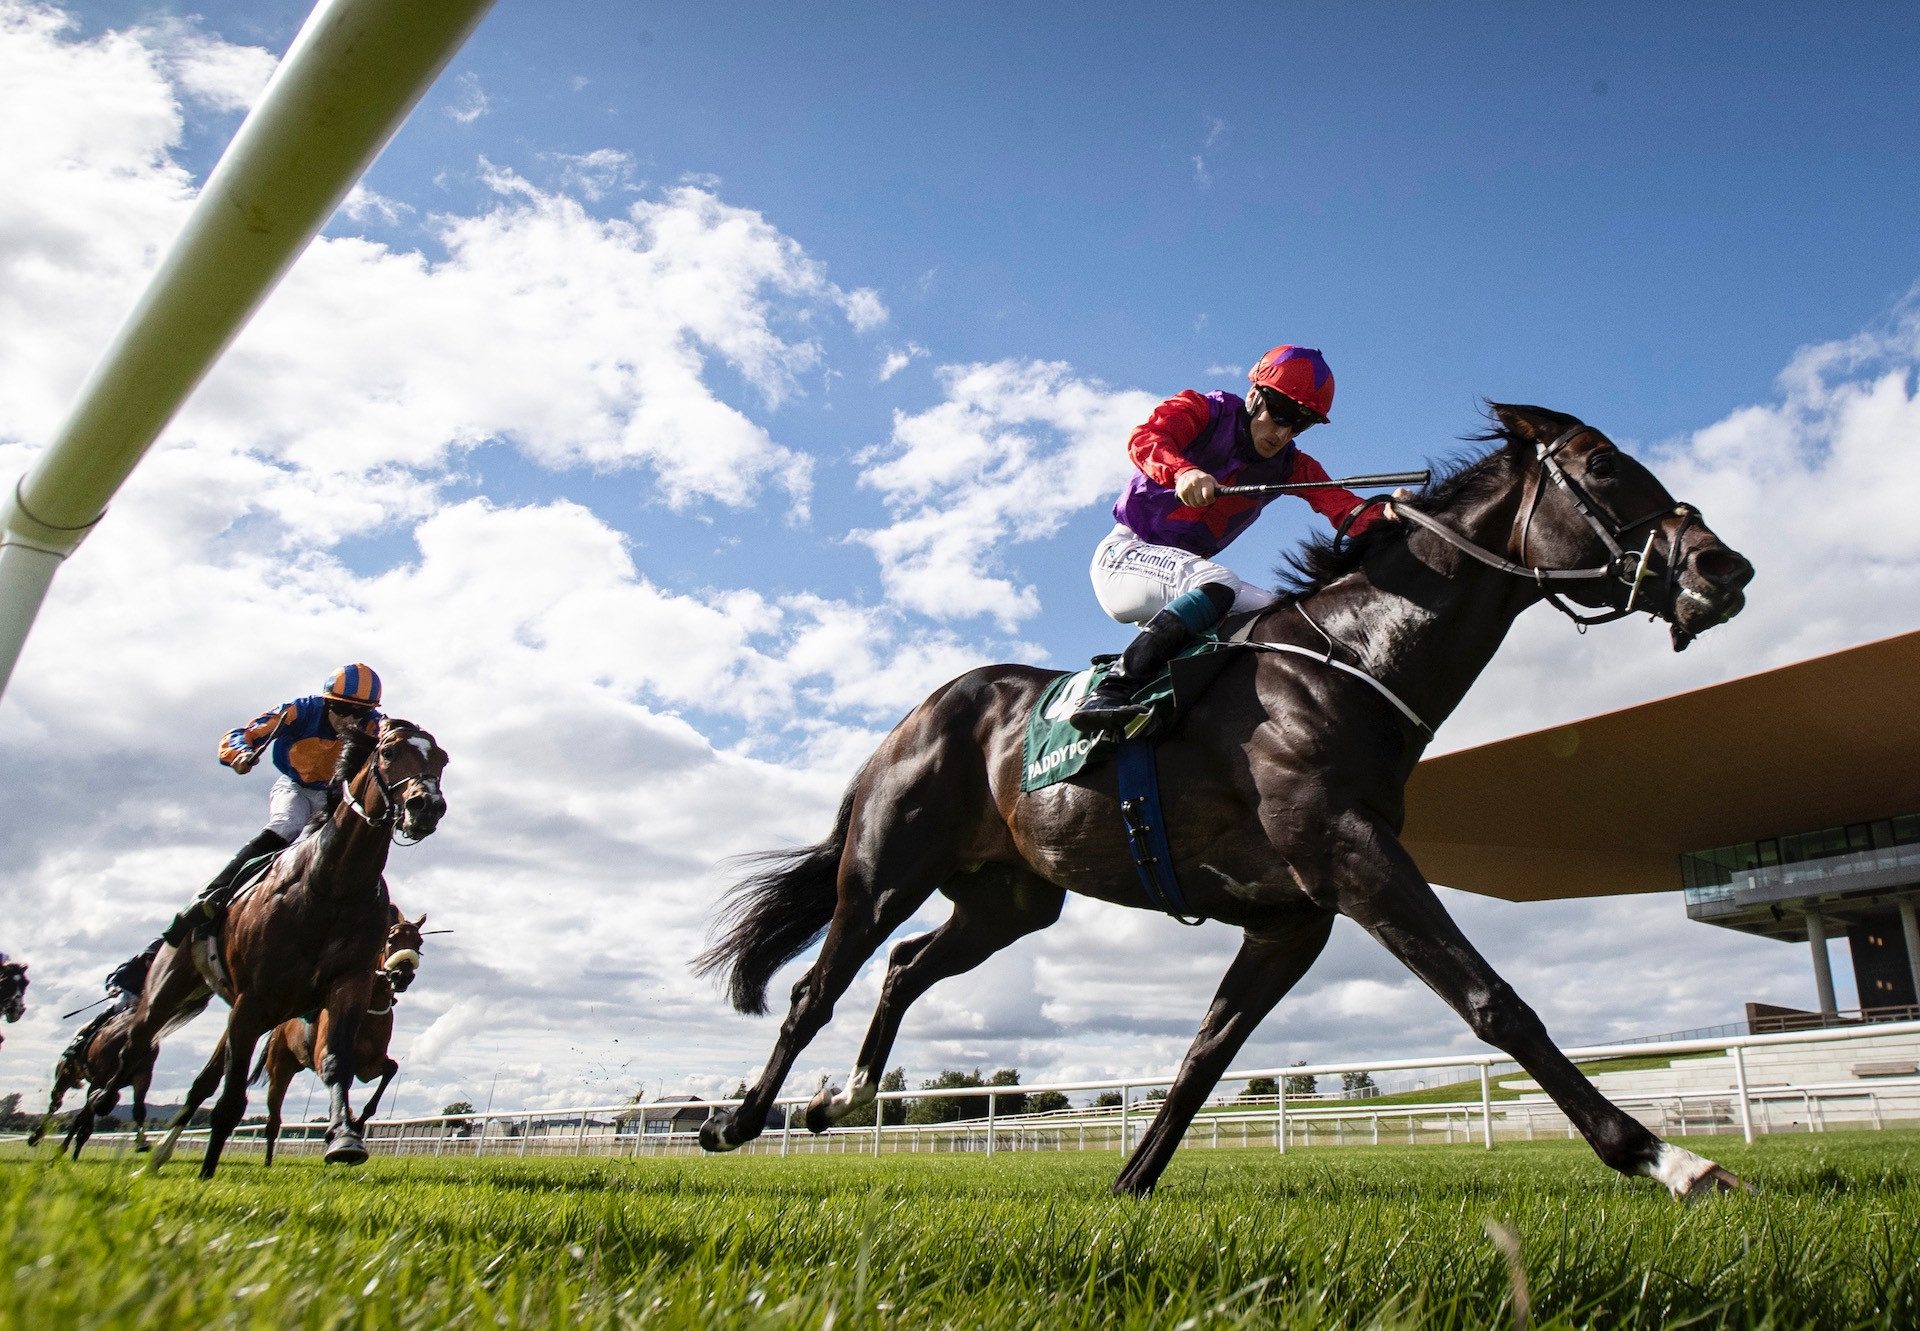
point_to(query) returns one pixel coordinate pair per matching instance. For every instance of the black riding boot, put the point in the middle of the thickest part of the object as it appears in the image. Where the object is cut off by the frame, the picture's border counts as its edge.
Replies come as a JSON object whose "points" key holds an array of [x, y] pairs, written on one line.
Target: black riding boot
{"points": [[1110, 705], [212, 900]]}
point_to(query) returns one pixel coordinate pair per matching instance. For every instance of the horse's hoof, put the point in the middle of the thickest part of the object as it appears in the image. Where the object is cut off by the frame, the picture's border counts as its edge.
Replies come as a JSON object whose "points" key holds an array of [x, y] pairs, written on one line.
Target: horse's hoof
{"points": [[346, 1149], [716, 1134], [141, 1148], [1689, 1177], [820, 1111]]}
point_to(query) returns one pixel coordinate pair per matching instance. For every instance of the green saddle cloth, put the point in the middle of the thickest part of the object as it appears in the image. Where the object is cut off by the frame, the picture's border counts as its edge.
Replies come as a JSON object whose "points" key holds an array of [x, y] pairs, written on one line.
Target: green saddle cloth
{"points": [[1055, 750]]}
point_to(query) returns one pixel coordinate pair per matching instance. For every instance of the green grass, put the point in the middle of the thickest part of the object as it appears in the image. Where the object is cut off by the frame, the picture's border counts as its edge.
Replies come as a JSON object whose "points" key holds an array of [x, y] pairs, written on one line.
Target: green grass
{"points": [[1376, 1236]]}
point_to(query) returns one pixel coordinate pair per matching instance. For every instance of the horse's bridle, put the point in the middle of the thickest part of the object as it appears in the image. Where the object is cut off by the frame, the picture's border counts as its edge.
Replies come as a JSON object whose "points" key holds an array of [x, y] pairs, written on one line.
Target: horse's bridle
{"points": [[1625, 566], [388, 817]]}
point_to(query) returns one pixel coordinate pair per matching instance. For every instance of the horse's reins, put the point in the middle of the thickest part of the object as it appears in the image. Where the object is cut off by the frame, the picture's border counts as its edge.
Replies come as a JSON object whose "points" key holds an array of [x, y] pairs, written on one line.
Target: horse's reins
{"points": [[1625, 566]]}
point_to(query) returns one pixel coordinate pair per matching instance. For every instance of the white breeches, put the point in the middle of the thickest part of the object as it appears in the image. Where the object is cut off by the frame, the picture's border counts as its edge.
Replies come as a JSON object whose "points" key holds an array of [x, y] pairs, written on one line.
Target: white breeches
{"points": [[1133, 580], [291, 806]]}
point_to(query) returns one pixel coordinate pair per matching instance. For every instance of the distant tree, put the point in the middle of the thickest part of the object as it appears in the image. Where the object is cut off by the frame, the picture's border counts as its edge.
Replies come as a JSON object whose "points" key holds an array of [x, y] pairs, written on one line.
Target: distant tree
{"points": [[1156, 1093], [1047, 1102], [893, 1112], [1260, 1087], [739, 1092], [1358, 1085], [1015, 1103], [947, 1109], [459, 1127], [1107, 1100], [1299, 1083]]}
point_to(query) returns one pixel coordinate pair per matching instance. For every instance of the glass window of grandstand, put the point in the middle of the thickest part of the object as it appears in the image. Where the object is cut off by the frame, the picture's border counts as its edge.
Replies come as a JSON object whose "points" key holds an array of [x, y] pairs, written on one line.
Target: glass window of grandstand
{"points": [[1710, 875]]}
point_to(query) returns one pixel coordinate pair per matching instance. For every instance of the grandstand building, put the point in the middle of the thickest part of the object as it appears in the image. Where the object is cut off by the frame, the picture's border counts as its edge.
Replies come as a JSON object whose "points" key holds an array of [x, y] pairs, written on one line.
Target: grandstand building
{"points": [[1784, 804]]}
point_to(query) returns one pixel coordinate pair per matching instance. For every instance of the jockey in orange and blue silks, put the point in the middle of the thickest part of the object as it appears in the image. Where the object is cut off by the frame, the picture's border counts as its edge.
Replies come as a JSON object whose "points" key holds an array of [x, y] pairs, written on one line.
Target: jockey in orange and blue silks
{"points": [[304, 738], [1156, 567]]}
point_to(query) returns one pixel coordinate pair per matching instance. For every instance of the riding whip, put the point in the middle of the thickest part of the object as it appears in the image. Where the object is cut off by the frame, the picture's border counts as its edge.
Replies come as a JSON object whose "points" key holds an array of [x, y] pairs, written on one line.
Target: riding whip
{"points": [[77, 1011], [1343, 483]]}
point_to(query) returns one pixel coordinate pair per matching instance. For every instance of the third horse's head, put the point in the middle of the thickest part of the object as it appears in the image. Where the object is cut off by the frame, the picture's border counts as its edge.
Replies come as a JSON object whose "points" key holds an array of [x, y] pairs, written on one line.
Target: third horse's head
{"points": [[1589, 504], [401, 960]]}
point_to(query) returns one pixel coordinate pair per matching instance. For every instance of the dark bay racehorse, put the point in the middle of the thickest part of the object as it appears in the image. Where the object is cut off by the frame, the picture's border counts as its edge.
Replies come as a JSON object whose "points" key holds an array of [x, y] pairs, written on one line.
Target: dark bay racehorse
{"points": [[294, 1046], [1283, 788], [307, 938], [13, 991], [96, 1060]]}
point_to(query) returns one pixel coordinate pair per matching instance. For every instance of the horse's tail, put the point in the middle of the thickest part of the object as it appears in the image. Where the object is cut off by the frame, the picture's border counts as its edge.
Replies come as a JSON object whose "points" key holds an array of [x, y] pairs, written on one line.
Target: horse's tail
{"points": [[771, 916]]}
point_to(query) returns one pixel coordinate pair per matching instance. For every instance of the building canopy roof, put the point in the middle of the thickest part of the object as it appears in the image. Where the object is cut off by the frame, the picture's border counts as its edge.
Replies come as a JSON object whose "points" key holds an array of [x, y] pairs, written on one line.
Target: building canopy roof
{"points": [[1606, 804]]}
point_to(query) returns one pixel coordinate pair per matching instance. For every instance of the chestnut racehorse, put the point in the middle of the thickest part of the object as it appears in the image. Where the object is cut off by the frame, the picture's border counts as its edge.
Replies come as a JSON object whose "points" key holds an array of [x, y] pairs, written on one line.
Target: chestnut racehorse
{"points": [[1284, 788], [307, 937], [292, 1048]]}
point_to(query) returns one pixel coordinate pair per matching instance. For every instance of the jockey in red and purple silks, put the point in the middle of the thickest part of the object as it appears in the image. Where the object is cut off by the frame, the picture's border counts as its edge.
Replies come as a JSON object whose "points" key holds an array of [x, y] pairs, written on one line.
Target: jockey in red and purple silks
{"points": [[1155, 568]]}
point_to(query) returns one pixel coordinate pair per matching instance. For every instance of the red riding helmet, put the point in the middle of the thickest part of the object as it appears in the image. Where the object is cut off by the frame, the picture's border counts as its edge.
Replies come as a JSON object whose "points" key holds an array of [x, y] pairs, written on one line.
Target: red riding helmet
{"points": [[356, 685], [1299, 373]]}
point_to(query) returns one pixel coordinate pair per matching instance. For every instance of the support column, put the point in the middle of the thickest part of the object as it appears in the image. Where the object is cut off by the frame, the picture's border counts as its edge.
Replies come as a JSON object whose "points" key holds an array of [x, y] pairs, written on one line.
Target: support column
{"points": [[1822, 968], [1910, 927]]}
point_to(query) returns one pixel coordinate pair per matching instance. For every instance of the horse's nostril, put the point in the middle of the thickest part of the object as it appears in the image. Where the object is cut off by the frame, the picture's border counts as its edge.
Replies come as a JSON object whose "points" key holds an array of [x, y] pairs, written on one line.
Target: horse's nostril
{"points": [[1723, 568]]}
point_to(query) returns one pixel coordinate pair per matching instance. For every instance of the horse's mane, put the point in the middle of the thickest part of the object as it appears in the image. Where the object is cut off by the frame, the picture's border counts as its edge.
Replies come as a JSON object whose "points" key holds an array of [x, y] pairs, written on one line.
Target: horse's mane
{"points": [[1464, 478], [359, 746]]}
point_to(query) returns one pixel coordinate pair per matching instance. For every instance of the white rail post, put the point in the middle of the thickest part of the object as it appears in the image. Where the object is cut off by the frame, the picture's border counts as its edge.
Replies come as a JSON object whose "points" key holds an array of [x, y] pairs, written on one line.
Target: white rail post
{"points": [[1486, 1108], [878, 1117], [1126, 1119], [1280, 1114], [351, 75], [992, 1099], [1740, 1084], [786, 1129]]}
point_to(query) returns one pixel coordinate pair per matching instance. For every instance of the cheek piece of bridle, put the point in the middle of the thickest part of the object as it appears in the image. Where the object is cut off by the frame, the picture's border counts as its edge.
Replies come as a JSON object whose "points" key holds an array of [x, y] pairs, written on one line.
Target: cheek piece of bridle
{"points": [[1625, 567]]}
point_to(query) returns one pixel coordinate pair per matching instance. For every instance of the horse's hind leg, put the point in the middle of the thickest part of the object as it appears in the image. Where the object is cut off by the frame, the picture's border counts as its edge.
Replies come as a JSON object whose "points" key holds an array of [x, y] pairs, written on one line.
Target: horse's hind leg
{"points": [[993, 907], [140, 1084], [244, 1030], [196, 1096], [1400, 910], [1269, 963], [388, 1071]]}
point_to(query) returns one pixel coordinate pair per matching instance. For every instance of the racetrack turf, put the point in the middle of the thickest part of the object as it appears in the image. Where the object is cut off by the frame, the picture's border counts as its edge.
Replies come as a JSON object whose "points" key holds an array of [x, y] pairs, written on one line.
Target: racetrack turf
{"points": [[1364, 1236]]}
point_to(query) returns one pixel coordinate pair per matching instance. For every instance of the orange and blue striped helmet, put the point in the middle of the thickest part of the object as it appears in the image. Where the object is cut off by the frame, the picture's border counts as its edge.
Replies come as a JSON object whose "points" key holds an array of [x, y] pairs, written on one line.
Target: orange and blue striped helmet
{"points": [[356, 685]]}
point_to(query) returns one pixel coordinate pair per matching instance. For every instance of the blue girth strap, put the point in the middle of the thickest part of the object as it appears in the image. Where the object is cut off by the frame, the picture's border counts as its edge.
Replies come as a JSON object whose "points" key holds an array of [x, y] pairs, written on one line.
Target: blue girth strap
{"points": [[1137, 770]]}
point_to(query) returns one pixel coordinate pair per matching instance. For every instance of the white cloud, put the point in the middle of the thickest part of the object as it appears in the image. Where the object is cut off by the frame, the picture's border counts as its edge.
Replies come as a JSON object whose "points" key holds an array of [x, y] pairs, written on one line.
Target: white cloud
{"points": [[1012, 452], [897, 360], [471, 101]]}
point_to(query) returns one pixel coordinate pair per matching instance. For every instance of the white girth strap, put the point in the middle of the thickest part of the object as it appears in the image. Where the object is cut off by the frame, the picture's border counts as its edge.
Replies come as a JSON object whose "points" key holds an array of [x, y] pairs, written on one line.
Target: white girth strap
{"points": [[1355, 671]]}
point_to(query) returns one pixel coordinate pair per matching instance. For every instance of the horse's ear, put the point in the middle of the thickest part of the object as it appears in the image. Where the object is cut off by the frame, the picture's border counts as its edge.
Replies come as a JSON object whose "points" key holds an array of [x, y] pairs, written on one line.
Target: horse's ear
{"points": [[1527, 426], [422, 920]]}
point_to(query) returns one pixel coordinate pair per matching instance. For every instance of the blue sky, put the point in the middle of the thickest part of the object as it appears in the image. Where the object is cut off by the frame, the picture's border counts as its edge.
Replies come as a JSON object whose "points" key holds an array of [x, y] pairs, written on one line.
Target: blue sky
{"points": [[688, 391]]}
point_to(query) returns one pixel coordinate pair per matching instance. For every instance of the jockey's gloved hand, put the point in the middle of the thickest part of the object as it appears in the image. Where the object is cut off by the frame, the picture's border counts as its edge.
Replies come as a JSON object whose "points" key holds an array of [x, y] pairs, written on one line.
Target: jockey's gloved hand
{"points": [[1196, 488], [243, 762], [1386, 510]]}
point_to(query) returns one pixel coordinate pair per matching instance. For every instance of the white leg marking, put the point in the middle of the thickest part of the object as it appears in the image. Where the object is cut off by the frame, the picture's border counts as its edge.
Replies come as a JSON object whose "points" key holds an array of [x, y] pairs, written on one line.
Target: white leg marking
{"points": [[860, 1090], [1680, 1169], [164, 1151]]}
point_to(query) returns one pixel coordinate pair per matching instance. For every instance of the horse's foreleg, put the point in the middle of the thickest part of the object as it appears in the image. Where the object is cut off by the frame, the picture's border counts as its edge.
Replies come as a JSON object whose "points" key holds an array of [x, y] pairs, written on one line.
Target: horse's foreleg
{"points": [[1395, 905], [989, 913], [280, 1071], [1269, 963], [388, 1071], [60, 1088], [196, 1096], [345, 1004], [140, 1084]]}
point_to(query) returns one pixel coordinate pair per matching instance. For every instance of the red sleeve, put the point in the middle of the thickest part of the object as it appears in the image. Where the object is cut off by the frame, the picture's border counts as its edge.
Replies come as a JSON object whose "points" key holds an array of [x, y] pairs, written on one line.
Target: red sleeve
{"points": [[1334, 503], [1159, 447]]}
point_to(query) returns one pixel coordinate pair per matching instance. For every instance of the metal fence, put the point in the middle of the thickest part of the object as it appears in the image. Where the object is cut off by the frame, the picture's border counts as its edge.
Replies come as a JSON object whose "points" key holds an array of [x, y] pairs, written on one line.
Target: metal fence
{"points": [[1281, 1121]]}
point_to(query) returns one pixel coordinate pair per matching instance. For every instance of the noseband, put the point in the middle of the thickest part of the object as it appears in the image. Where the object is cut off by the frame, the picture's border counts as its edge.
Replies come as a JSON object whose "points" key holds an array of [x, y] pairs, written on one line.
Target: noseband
{"points": [[1626, 567]]}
